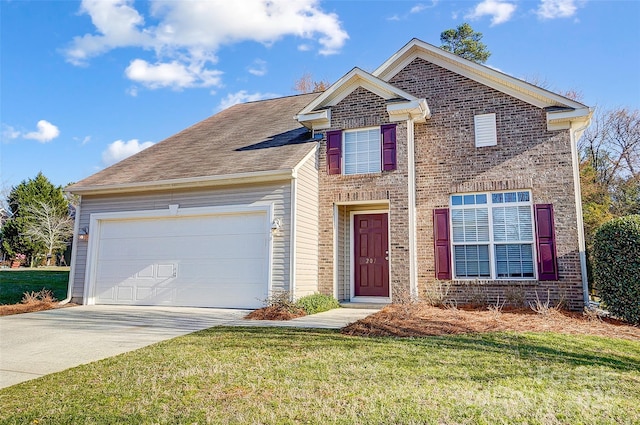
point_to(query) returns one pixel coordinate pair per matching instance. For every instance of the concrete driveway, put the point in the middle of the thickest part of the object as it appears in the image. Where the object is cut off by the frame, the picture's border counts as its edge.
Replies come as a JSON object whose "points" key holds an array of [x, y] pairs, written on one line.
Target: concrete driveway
{"points": [[36, 344]]}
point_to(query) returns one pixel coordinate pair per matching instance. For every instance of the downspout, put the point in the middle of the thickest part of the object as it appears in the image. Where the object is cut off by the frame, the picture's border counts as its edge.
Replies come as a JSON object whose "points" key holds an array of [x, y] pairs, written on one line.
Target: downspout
{"points": [[413, 255], [292, 236], [74, 251], [335, 254], [578, 200]]}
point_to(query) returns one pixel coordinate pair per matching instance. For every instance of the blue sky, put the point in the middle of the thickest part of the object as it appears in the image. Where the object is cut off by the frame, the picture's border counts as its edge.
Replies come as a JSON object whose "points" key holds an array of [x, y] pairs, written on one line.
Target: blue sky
{"points": [[84, 84]]}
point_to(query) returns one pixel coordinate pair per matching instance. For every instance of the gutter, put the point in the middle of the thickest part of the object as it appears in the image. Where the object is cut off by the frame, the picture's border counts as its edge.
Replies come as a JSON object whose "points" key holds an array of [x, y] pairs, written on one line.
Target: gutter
{"points": [[74, 251], [204, 181], [582, 251], [413, 255]]}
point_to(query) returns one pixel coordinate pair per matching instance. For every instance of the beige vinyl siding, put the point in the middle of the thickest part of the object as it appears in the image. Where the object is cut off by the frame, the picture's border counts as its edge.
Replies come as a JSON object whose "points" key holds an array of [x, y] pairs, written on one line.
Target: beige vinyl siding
{"points": [[277, 193], [306, 234], [343, 253]]}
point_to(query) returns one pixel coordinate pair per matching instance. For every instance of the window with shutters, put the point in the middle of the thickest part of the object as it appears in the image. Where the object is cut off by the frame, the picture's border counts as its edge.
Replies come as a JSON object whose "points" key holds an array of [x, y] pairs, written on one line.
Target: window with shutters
{"points": [[362, 151], [493, 235], [485, 130]]}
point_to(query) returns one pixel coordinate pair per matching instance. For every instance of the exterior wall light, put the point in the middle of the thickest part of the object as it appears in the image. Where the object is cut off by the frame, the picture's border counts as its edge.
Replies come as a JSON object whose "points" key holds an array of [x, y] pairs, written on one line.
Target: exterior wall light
{"points": [[83, 234]]}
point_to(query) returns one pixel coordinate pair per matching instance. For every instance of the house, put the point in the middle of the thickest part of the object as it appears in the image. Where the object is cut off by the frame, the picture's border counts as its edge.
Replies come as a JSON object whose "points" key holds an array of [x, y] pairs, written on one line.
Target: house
{"points": [[432, 176]]}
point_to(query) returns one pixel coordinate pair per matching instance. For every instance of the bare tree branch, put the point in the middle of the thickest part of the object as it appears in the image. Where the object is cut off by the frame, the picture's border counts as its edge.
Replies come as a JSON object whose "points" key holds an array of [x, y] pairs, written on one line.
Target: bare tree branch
{"points": [[49, 228], [306, 84], [612, 145]]}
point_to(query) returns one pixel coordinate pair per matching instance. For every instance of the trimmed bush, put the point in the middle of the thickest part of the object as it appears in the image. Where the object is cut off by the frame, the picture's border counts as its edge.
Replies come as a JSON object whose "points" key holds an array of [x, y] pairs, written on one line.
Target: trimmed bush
{"points": [[616, 266], [317, 303]]}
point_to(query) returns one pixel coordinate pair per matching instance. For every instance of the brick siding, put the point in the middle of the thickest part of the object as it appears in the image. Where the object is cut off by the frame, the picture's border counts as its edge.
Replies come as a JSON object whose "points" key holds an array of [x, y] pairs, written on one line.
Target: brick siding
{"points": [[527, 156], [362, 109]]}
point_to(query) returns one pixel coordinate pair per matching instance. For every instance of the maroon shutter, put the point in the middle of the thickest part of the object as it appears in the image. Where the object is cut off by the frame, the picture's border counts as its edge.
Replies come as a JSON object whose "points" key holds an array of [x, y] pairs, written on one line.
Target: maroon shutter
{"points": [[546, 243], [442, 244], [334, 150], [388, 147]]}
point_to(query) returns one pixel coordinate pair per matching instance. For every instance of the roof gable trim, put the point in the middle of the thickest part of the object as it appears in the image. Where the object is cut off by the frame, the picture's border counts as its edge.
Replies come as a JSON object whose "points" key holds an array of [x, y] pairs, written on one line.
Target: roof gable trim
{"points": [[480, 73], [314, 116]]}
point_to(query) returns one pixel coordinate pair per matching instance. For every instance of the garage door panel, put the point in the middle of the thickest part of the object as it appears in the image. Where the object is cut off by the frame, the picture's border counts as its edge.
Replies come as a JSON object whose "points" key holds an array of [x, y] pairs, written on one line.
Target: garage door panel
{"points": [[165, 248], [183, 226], [220, 270], [214, 270], [115, 271], [208, 261], [225, 296]]}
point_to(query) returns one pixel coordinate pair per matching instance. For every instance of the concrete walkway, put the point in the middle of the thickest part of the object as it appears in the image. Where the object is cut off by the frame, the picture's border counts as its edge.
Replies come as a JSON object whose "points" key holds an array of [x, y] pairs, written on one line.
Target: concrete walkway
{"points": [[36, 344]]}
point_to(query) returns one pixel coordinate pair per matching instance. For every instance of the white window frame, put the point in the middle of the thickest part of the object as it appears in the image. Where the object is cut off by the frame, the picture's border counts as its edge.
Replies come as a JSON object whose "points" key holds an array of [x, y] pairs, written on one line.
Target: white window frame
{"points": [[491, 242], [344, 150]]}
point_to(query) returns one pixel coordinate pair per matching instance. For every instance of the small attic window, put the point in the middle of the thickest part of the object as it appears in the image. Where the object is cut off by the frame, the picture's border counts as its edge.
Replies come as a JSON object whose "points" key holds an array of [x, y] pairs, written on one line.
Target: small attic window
{"points": [[485, 126]]}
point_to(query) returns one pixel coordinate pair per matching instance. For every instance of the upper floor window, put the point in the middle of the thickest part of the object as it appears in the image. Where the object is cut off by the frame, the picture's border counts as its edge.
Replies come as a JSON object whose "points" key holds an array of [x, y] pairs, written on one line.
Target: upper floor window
{"points": [[362, 151]]}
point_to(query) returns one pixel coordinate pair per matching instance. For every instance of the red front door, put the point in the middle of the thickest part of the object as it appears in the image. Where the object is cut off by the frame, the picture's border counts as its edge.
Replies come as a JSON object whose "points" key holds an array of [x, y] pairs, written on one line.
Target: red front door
{"points": [[371, 255]]}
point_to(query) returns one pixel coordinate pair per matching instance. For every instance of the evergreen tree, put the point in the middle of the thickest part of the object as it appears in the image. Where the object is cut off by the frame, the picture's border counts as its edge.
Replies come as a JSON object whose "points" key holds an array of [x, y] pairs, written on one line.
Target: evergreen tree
{"points": [[465, 42], [22, 198]]}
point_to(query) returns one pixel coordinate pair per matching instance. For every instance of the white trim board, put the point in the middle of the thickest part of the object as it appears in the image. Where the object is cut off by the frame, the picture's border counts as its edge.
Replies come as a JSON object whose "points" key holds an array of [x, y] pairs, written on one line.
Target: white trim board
{"points": [[352, 297]]}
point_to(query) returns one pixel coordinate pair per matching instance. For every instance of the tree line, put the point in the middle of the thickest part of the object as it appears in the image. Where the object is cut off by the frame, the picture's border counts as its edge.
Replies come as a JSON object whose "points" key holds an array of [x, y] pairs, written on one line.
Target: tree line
{"points": [[38, 225]]}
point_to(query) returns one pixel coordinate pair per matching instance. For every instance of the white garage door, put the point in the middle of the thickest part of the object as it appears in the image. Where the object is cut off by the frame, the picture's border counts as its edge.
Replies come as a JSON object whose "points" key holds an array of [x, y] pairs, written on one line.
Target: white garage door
{"points": [[216, 260]]}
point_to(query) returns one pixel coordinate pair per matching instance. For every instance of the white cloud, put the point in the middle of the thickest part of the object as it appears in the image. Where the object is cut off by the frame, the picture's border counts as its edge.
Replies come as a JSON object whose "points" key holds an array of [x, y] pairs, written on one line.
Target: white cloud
{"points": [[188, 35], [172, 74], [117, 24], [418, 8], [421, 6], [9, 133], [119, 150], [500, 11], [258, 68], [242, 96], [552, 9], [46, 132], [83, 141]]}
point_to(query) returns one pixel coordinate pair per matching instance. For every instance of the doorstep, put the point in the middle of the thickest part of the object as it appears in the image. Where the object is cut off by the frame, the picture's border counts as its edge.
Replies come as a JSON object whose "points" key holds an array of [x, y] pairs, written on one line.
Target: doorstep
{"points": [[369, 306]]}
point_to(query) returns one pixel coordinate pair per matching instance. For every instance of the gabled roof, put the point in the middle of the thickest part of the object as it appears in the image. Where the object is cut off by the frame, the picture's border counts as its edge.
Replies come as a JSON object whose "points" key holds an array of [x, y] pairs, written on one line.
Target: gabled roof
{"points": [[488, 76], [401, 104], [253, 141]]}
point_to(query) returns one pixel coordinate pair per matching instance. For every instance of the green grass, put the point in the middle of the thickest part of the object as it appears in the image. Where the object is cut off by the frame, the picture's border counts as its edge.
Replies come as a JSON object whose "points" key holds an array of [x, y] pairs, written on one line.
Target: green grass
{"points": [[14, 283], [288, 376]]}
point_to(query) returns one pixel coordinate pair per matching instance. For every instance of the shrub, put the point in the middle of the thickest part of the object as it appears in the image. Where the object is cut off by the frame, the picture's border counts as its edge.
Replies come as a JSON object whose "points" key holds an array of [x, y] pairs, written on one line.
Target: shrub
{"points": [[617, 266], [278, 306], [42, 296], [282, 300], [317, 303]]}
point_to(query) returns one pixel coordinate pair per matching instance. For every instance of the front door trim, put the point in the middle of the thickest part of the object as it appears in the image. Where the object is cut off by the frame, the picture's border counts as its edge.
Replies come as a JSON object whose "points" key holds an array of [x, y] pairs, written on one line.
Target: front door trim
{"points": [[352, 297]]}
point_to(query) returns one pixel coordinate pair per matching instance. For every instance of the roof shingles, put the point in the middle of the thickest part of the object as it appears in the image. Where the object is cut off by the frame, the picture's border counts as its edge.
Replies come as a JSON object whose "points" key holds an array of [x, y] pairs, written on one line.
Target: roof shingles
{"points": [[249, 137]]}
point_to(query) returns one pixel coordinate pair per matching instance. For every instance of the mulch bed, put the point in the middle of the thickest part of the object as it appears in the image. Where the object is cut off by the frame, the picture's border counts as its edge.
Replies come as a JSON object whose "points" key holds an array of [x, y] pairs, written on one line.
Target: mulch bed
{"points": [[6, 310], [415, 320], [275, 313]]}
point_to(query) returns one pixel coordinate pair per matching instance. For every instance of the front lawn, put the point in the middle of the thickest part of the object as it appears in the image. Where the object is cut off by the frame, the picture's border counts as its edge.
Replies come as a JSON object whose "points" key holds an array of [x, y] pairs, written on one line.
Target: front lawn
{"points": [[14, 283], [288, 376]]}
